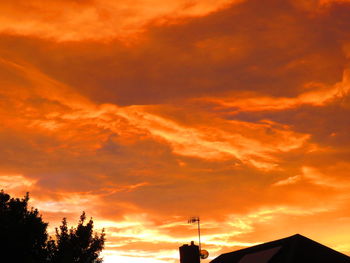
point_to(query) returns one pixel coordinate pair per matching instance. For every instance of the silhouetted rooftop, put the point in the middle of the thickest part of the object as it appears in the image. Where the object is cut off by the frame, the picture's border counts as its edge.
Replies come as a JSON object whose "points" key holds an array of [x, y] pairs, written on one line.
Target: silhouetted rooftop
{"points": [[293, 249]]}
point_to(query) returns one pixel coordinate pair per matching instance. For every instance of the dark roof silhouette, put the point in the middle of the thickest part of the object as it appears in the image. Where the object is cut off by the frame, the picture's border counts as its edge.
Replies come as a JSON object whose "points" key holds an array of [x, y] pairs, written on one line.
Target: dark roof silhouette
{"points": [[293, 249]]}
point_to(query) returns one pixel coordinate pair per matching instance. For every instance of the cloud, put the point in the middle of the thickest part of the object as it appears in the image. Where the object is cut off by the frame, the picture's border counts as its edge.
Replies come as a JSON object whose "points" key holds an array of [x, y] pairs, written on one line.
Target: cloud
{"points": [[313, 176], [202, 142], [13, 182], [319, 96], [95, 20], [218, 54], [146, 113]]}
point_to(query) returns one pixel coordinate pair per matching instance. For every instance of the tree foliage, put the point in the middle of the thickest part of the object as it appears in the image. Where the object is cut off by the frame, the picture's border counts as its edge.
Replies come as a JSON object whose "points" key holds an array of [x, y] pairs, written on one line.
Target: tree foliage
{"points": [[77, 244], [24, 238], [22, 231]]}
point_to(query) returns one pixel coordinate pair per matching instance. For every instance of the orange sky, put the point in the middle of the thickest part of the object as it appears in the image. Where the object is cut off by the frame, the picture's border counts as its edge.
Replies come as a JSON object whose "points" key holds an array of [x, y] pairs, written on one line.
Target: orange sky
{"points": [[146, 112]]}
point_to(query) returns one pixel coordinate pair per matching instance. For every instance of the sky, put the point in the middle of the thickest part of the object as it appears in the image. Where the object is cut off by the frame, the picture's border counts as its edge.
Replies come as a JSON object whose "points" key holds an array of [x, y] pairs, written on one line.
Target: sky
{"points": [[144, 113]]}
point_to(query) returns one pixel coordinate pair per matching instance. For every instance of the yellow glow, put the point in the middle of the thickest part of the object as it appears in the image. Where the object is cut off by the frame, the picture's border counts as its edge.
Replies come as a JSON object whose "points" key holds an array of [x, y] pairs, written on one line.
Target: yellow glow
{"points": [[15, 181]]}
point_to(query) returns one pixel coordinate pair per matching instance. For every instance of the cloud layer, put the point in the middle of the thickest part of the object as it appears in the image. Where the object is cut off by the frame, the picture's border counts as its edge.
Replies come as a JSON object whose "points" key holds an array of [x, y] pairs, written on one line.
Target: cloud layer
{"points": [[145, 113]]}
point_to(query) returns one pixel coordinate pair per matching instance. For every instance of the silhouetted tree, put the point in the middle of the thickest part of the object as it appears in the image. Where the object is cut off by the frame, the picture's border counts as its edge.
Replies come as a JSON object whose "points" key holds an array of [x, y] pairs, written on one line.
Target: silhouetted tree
{"points": [[24, 238], [78, 244], [23, 235]]}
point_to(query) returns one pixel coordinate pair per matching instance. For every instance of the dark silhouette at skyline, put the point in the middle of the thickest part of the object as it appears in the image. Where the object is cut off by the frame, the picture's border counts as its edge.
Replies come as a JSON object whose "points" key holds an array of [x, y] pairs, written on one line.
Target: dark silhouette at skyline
{"points": [[189, 253], [23, 234], [77, 244], [24, 237], [293, 249]]}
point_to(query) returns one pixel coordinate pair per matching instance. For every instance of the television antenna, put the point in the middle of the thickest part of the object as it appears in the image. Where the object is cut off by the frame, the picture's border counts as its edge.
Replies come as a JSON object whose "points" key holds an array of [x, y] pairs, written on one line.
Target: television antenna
{"points": [[203, 254], [193, 220]]}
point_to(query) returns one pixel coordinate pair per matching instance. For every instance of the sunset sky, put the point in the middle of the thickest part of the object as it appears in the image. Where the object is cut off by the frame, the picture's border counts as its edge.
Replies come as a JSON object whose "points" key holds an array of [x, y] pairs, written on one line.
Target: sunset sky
{"points": [[146, 112]]}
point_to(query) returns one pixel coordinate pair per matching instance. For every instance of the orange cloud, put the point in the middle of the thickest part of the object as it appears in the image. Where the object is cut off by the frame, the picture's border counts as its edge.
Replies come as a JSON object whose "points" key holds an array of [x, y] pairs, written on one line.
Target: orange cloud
{"points": [[16, 183], [95, 20], [214, 111], [332, 1], [202, 141], [313, 176], [319, 96]]}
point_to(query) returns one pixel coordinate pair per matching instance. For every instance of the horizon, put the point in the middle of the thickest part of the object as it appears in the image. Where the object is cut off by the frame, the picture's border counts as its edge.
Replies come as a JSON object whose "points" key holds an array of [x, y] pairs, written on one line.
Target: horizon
{"points": [[144, 113]]}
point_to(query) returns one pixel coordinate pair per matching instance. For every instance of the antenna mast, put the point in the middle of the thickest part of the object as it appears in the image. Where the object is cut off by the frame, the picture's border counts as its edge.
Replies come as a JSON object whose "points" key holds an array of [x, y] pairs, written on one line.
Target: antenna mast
{"points": [[203, 254], [193, 220]]}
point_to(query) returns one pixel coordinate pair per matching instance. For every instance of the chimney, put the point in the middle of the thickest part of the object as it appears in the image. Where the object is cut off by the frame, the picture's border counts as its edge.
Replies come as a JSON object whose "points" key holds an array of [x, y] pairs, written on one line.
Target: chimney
{"points": [[189, 253]]}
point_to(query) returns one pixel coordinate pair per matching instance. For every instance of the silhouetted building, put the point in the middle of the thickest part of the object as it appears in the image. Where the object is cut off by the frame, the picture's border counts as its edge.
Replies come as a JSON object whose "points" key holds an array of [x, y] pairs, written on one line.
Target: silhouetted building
{"points": [[293, 249], [189, 253]]}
